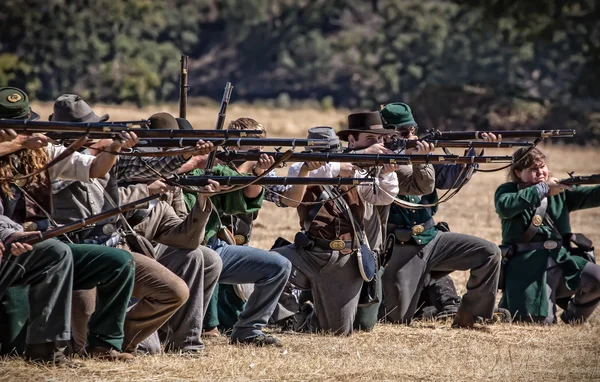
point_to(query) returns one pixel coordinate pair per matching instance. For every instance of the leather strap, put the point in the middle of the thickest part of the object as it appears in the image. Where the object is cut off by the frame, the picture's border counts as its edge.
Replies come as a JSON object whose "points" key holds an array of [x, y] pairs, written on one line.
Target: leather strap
{"points": [[533, 229], [536, 245], [141, 214], [314, 211]]}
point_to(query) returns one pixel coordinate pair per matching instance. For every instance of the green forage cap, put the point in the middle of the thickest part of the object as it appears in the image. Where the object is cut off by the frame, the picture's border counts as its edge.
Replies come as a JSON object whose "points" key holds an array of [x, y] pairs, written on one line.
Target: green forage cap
{"points": [[14, 104], [397, 114]]}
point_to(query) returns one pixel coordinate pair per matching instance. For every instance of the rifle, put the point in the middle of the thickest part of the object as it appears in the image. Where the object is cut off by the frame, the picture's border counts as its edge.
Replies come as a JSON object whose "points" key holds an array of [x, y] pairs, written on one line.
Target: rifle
{"points": [[220, 124], [7, 266], [456, 135], [183, 86], [364, 159], [238, 142], [581, 179], [396, 144], [101, 130], [284, 181]]}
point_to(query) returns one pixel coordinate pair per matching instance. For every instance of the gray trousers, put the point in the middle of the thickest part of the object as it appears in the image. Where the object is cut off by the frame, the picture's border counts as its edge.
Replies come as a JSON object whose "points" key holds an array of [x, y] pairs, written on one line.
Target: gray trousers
{"points": [[585, 298], [200, 269], [335, 283], [407, 272], [48, 270]]}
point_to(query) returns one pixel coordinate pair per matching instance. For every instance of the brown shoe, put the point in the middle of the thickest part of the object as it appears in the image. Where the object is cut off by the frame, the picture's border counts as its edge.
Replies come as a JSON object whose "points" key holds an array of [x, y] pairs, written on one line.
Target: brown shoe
{"points": [[463, 319], [214, 332], [103, 353]]}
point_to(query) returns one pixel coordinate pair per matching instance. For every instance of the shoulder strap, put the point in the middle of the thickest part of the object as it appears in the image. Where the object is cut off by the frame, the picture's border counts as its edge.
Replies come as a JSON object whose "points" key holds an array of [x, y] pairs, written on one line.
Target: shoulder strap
{"points": [[536, 221], [314, 211]]}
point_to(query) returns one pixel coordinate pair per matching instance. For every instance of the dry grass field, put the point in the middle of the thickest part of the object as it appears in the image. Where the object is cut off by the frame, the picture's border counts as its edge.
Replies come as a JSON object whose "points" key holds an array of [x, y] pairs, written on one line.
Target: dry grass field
{"points": [[424, 351]]}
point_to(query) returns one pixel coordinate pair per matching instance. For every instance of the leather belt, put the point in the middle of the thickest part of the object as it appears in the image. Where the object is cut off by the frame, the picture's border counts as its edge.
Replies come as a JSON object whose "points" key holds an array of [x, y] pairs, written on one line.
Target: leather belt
{"points": [[416, 230], [100, 232], [537, 245], [36, 225], [335, 245]]}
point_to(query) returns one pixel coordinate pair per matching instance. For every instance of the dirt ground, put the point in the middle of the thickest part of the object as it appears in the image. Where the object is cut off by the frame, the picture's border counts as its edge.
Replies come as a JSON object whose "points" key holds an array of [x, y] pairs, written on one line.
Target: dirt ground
{"points": [[424, 351]]}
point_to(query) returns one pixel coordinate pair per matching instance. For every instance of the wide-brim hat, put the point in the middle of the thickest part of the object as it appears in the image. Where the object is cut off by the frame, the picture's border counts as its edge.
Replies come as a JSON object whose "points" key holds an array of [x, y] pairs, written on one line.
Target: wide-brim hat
{"points": [[184, 124], [365, 122], [72, 108], [324, 132], [14, 104], [163, 121], [398, 116]]}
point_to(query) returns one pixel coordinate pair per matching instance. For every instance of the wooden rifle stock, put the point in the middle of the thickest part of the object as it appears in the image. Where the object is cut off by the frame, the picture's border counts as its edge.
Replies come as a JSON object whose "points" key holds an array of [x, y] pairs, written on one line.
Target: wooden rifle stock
{"points": [[580, 180], [58, 231]]}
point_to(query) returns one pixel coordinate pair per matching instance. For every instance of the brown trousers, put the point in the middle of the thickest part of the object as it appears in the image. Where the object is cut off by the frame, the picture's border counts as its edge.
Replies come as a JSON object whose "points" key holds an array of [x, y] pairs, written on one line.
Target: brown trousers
{"points": [[159, 291]]}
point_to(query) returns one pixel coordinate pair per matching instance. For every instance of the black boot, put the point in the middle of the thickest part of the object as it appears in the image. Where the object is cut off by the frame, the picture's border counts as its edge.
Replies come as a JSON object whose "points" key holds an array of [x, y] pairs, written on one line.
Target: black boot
{"points": [[48, 353]]}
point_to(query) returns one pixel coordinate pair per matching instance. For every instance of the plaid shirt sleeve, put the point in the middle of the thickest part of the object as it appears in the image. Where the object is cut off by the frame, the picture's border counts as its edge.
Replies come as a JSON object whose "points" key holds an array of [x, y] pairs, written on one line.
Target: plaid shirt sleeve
{"points": [[137, 167], [273, 192]]}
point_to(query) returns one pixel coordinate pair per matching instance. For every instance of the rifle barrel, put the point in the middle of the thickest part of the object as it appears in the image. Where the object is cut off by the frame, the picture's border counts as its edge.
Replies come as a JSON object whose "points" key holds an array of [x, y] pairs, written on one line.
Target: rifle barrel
{"points": [[580, 180], [366, 159], [284, 181], [469, 144], [220, 122], [236, 142], [456, 135], [183, 86]]}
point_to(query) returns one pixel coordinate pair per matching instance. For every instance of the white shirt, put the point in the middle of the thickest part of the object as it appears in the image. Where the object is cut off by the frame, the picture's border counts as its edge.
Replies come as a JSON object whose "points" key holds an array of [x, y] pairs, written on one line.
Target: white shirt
{"points": [[367, 191]]}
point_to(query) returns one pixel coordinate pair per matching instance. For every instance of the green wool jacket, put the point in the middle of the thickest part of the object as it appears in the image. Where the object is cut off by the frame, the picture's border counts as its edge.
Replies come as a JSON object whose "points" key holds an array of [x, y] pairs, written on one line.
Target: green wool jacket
{"points": [[525, 273], [231, 203], [406, 218]]}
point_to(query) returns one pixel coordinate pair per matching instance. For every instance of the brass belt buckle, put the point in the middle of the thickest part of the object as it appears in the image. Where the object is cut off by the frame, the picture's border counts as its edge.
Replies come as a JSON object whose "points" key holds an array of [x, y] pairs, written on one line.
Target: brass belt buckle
{"points": [[550, 244], [240, 239], [29, 226], [108, 229], [337, 245], [417, 229], [537, 220]]}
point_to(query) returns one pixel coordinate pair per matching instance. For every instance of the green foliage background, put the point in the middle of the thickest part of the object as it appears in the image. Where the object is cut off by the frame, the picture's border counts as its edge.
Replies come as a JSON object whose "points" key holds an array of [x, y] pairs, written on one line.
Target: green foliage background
{"points": [[461, 64]]}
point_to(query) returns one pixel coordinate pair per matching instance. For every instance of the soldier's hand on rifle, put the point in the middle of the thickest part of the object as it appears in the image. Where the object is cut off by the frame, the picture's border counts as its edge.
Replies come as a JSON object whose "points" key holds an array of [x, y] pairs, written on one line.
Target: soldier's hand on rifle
{"points": [[129, 140], [159, 187], [264, 162], [555, 187], [210, 189], [491, 137], [17, 248], [377, 148], [421, 148], [347, 170], [203, 148], [32, 142], [7, 135], [311, 166]]}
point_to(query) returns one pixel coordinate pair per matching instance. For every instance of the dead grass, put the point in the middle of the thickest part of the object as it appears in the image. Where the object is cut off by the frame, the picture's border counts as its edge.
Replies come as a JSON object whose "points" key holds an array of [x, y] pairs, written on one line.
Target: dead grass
{"points": [[424, 351]]}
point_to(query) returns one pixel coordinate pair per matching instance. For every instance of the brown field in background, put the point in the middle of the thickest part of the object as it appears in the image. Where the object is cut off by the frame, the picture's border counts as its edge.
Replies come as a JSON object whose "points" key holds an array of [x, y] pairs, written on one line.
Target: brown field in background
{"points": [[424, 351]]}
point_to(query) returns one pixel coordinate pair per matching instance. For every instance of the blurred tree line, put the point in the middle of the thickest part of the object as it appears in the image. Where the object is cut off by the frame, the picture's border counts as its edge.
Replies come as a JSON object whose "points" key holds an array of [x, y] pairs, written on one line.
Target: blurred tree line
{"points": [[460, 63]]}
